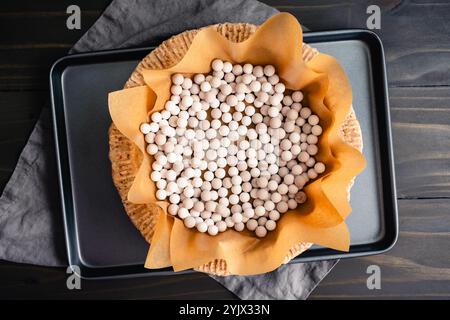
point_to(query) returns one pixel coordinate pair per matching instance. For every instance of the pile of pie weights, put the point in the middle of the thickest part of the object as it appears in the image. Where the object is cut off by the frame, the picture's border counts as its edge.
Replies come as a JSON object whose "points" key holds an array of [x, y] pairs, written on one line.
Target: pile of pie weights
{"points": [[232, 149]]}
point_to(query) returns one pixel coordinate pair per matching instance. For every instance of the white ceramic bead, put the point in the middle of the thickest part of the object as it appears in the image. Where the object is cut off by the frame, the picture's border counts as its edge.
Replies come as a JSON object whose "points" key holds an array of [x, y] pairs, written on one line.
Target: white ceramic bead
{"points": [[312, 149], [273, 112], [249, 110], [217, 65], [283, 189], [177, 79], [239, 226], [285, 144], [213, 230], [187, 84], [198, 220], [269, 70], [215, 83], [183, 212], [232, 100], [287, 101], [237, 217], [313, 120], [227, 67], [316, 130], [257, 118], [293, 189], [286, 155], [275, 197], [255, 86], [306, 128], [226, 117], [189, 222], [312, 174], [258, 71], [221, 226], [220, 173], [270, 225], [310, 162], [300, 197], [275, 122], [292, 204], [205, 86], [226, 89], [247, 68], [319, 167], [269, 205], [204, 214], [152, 149], [244, 144], [202, 227], [150, 137], [154, 127], [155, 176], [221, 162], [273, 80], [237, 69], [260, 211], [247, 79], [246, 176], [261, 231], [312, 139], [188, 203], [188, 192], [252, 224], [303, 156], [297, 96], [161, 184], [266, 87], [210, 206], [199, 78], [282, 207], [229, 77], [172, 209], [274, 215], [229, 222], [305, 113], [288, 179], [262, 221]]}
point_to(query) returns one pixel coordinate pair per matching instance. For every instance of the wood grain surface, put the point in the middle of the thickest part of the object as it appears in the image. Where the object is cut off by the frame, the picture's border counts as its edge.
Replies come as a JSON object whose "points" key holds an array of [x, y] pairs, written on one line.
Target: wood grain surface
{"points": [[416, 38]]}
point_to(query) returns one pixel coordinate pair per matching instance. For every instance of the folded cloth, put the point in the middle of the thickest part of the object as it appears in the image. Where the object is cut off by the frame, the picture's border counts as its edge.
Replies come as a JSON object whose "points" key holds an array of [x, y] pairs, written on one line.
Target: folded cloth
{"points": [[31, 229]]}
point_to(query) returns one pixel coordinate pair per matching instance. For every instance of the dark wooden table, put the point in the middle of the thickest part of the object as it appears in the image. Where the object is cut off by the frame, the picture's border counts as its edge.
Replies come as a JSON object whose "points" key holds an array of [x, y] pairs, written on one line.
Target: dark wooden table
{"points": [[416, 36]]}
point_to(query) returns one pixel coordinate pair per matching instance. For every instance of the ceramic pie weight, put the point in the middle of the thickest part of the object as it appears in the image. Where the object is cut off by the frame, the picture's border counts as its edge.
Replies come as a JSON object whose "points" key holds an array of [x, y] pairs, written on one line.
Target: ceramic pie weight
{"points": [[126, 157]]}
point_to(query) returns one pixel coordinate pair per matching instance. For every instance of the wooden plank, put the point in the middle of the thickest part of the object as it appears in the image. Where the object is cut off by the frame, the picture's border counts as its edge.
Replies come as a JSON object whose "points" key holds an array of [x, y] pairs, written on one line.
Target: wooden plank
{"points": [[7, 6], [18, 106], [27, 27], [28, 68], [409, 64], [32, 39], [421, 132], [31, 282], [416, 52], [417, 267], [18, 114]]}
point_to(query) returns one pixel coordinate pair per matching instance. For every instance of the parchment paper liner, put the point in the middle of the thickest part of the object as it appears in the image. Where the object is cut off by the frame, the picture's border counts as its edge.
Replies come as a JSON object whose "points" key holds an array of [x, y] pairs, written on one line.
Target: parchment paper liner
{"points": [[224, 254]]}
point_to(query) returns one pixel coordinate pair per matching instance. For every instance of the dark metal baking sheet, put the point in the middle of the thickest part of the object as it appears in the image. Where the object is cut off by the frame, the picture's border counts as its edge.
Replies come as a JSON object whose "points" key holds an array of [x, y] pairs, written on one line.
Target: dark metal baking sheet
{"points": [[100, 238]]}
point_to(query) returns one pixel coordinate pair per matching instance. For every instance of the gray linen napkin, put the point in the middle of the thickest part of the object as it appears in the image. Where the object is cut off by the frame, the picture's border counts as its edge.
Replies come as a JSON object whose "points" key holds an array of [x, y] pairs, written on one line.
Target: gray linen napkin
{"points": [[30, 220]]}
